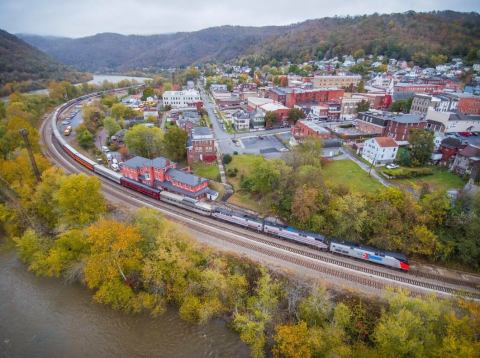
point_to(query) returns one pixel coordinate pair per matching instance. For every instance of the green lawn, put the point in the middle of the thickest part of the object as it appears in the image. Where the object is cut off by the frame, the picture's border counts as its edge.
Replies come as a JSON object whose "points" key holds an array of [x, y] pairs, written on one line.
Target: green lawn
{"points": [[346, 172], [209, 171], [245, 164], [441, 179]]}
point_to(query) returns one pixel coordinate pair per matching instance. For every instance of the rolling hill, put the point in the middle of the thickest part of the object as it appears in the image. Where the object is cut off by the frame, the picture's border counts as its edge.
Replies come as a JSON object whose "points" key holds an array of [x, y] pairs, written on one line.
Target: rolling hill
{"points": [[405, 35], [21, 63]]}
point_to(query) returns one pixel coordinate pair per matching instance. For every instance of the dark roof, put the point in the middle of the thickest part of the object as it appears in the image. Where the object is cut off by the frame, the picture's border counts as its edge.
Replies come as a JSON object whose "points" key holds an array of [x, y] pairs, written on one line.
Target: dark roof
{"points": [[203, 131], [185, 178], [470, 151], [170, 187], [137, 162], [451, 142]]}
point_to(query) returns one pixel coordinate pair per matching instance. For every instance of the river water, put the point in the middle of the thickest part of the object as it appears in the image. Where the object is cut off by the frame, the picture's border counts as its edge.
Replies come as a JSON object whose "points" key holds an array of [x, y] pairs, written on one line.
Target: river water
{"points": [[41, 317]]}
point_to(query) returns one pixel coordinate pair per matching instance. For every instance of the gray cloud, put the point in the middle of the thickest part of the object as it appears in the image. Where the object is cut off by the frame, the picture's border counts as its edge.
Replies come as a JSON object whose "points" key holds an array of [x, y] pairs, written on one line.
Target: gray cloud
{"points": [[77, 18]]}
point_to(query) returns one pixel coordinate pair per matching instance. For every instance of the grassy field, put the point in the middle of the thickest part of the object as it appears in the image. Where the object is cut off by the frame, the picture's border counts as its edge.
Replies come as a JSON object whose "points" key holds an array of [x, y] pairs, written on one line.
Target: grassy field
{"points": [[346, 172], [209, 171], [441, 179], [244, 164]]}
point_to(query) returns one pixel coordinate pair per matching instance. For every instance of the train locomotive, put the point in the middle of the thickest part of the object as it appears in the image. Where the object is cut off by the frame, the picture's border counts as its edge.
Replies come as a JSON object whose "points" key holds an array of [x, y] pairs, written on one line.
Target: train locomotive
{"points": [[252, 222]]}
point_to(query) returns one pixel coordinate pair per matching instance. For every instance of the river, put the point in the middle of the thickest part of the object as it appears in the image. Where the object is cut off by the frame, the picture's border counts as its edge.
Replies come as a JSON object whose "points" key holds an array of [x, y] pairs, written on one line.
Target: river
{"points": [[42, 317]]}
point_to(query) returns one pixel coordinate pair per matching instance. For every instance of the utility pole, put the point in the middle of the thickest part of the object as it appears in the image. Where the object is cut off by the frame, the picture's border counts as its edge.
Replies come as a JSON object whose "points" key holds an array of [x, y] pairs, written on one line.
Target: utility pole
{"points": [[24, 134]]}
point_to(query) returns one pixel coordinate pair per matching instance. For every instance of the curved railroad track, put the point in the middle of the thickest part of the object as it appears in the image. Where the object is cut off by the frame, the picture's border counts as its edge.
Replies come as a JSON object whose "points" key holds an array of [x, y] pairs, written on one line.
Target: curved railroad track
{"points": [[322, 262]]}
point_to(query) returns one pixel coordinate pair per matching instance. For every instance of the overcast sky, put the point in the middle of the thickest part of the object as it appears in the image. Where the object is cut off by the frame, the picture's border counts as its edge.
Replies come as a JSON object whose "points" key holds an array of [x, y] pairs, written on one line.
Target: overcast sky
{"points": [[76, 18]]}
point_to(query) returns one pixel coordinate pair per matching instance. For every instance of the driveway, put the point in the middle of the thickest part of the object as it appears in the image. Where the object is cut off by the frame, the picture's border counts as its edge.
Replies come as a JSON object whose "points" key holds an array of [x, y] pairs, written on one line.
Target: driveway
{"points": [[367, 168]]}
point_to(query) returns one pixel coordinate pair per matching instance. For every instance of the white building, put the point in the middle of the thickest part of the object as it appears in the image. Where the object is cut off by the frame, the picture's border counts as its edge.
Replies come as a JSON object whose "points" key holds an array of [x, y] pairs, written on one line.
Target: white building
{"points": [[380, 150], [181, 99]]}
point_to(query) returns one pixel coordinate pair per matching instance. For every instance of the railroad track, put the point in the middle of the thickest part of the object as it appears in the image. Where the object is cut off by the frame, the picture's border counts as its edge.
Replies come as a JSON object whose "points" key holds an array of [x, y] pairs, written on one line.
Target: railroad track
{"points": [[321, 262]]}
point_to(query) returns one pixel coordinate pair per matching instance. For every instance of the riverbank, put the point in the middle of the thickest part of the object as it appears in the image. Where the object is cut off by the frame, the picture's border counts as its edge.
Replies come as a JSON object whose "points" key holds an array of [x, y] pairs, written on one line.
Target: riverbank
{"points": [[43, 317]]}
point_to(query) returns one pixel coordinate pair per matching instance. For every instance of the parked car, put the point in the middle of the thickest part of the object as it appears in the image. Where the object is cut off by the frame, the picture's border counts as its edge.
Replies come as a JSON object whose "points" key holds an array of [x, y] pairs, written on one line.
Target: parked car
{"points": [[67, 131], [393, 166], [105, 149], [66, 122], [115, 167], [109, 156]]}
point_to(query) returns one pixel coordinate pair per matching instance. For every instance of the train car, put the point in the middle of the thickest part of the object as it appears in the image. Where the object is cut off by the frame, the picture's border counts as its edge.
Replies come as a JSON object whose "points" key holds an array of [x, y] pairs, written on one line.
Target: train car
{"points": [[238, 218], [107, 173], [291, 233], [141, 188], [186, 203], [78, 157], [391, 259]]}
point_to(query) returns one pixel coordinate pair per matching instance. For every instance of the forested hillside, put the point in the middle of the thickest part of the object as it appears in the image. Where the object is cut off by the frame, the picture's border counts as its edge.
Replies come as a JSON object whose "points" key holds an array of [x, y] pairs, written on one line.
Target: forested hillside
{"points": [[24, 67], [409, 35], [114, 52]]}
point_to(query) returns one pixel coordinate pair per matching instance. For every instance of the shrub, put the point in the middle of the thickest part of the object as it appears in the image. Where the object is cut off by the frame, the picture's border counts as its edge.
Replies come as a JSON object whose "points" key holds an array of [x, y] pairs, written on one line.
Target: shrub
{"points": [[405, 173], [227, 158], [232, 172]]}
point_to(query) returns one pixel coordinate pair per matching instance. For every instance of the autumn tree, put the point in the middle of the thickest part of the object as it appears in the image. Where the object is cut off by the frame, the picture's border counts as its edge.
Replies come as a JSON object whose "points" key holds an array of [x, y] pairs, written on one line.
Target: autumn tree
{"points": [[292, 341], [363, 106], [111, 126], [79, 200], [270, 119]]}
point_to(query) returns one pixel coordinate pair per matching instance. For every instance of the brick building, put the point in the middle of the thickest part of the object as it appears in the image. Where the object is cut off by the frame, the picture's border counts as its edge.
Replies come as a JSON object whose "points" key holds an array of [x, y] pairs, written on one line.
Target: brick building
{"points": [[201, 146], [304, 129], [340, 81], [449, 148], [396, 126], [161, 173], [291, 97], [468, 104]]}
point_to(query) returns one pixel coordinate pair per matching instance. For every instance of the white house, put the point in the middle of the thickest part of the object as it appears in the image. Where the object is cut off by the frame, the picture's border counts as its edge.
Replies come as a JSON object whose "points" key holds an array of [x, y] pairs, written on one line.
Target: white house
{"points": [[181, 99], [380, 150]]}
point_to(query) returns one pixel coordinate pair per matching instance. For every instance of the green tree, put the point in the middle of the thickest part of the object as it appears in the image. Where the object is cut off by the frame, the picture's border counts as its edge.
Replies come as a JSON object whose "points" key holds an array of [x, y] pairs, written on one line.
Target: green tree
{"points": [[361, 87], [144, 141], [147, 92], [421, 146], [79, 200], [175, 142], [84, 137], [111, 126], [363, 106], [295, 114], [401, 105], [270, 119]]}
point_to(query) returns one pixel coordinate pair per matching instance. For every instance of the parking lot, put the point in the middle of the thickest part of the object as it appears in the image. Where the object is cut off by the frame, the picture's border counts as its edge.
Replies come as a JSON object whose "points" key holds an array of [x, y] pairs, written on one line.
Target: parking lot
{"points": [[268, 146]]}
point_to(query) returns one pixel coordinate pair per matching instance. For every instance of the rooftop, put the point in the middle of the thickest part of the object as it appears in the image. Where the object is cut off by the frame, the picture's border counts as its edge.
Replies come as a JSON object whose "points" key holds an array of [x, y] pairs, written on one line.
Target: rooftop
{"points": [[386, 142], [201, 132], [185, 178], [315, 126]]}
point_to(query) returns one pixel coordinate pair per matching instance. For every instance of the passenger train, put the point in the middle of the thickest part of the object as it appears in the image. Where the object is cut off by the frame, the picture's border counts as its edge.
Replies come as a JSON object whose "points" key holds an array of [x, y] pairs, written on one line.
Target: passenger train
{"points": [[370, 254]]}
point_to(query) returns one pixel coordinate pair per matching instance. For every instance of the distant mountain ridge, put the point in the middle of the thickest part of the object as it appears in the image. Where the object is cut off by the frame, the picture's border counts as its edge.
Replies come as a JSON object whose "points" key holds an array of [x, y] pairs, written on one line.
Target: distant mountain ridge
{"points": [[407, 35], [25, 64]]}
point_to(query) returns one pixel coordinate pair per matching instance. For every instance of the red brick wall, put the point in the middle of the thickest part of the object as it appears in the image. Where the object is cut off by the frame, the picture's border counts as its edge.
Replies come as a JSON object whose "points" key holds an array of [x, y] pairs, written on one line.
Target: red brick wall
{"points": [[316, 97], [469, 105], [371, 128], [399, 131], [302, 130]]}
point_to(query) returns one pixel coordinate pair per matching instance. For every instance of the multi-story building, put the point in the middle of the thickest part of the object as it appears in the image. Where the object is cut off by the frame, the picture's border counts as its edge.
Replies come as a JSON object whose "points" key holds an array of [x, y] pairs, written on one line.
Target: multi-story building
{"points": [[201, 147], [339, 81], [292, 97], [468, 103], [380, 150], [182, 99], [396, 126], [452, 122], [161, 173], [241, 120]]}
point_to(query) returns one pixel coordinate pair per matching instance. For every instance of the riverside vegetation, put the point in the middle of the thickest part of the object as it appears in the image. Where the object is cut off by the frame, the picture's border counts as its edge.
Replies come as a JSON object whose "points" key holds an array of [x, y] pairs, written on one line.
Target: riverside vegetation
{"points": [[63, 227]]}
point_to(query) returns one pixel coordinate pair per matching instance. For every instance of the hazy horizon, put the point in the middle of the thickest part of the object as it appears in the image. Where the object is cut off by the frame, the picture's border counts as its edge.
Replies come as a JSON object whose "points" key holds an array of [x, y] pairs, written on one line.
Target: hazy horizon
{"points": [[73, 19]]}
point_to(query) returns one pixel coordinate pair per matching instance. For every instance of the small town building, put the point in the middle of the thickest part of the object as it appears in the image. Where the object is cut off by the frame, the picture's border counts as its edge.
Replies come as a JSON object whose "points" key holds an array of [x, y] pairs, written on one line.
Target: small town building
{"points": [[161, 173], [339, 81], [303, 129], [380, 150], [182, 99], [201, 146]]}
